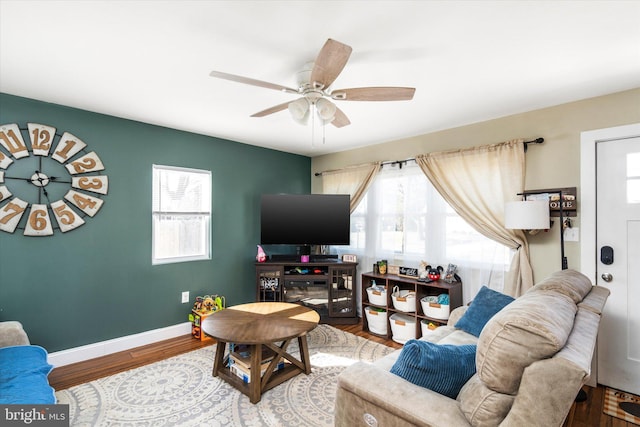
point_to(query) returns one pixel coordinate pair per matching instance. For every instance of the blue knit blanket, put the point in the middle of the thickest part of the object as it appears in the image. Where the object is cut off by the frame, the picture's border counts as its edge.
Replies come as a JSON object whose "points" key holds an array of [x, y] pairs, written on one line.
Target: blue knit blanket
{"points": [[23, 376]]}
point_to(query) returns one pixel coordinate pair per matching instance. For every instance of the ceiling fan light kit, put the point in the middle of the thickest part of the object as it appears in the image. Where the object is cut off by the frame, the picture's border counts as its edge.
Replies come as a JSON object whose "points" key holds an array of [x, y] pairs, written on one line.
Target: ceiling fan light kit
{"points": [[299, 110], [314, 82], [326, 109]]}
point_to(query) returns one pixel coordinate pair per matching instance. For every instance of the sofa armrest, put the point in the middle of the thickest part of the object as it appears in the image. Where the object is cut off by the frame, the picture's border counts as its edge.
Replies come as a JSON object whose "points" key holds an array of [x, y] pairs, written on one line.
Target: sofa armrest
{"points": [[12, 333], [367, 389], [558, 380], [561, 376]]}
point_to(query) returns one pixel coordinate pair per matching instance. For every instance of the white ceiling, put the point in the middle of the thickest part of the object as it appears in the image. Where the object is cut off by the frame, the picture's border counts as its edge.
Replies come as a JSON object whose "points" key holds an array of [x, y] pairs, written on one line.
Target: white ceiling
{"points": [[469, 61]]}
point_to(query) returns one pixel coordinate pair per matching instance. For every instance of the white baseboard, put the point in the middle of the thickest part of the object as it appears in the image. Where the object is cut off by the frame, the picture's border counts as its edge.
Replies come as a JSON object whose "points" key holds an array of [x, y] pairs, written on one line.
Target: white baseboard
{"points": [[91, 351]]}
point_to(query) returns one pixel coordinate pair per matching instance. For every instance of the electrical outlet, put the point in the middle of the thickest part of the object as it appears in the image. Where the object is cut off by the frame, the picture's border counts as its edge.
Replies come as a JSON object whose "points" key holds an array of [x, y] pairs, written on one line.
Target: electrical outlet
{"points": [[185, 297]]}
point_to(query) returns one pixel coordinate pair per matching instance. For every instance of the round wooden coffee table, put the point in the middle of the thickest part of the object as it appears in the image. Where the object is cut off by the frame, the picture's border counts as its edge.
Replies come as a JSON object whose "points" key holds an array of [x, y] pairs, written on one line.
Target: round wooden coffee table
{"points": [[270, 324]]}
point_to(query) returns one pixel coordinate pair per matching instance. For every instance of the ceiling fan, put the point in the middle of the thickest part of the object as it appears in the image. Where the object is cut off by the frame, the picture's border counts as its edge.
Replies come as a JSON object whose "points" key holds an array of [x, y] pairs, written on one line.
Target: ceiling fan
{"points": [[314, 86]]}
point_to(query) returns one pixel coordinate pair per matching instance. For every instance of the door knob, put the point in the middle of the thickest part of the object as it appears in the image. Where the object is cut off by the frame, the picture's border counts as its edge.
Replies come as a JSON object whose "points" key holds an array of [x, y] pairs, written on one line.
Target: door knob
{"points": [[607, 277]]}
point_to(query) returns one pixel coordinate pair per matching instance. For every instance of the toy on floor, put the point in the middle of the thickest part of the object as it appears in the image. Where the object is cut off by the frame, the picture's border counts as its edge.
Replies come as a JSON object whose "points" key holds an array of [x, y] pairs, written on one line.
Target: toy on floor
{"points": [[208, 304]]}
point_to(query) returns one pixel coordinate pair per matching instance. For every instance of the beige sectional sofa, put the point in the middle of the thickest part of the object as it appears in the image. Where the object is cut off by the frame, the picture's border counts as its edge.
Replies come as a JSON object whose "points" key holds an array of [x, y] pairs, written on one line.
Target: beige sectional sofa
{"points": [[532, 358]]}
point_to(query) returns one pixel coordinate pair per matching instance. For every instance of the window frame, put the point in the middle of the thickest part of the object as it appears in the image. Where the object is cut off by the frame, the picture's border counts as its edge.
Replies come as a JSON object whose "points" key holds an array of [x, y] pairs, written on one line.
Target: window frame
{"points": [[159, 212]]}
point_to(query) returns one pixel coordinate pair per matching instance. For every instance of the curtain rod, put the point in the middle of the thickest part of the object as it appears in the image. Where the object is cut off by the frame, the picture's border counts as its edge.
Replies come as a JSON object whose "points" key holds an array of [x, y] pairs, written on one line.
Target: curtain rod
{"points": [[403, 162]]}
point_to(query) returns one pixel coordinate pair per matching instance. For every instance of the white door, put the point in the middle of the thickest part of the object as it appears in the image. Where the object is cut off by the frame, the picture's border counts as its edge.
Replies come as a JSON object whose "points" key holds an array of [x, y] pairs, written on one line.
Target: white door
{"points": [[618, 261]]}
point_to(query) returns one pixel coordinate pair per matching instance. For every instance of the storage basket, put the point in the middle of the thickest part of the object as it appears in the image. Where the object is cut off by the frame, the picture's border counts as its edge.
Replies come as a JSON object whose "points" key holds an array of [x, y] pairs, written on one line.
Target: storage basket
{"points": [[427, 327], [431, 308], [377, 320], [377, 296], [403, 327], [404, 300]]}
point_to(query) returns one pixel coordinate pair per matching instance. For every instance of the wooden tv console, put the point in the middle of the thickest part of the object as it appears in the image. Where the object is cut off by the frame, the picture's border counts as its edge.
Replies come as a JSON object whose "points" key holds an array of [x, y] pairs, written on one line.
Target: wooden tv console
{"points": [[326, 285]]}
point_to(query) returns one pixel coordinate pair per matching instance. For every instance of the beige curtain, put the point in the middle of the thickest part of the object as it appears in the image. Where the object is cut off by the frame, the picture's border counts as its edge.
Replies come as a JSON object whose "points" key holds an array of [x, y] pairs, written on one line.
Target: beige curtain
{"points": [[477, 182], [354, 180]]}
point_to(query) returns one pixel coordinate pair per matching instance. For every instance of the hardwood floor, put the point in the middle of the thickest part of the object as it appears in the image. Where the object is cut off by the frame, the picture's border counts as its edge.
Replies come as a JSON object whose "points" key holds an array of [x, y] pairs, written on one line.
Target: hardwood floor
{"points": [[586, 414]]}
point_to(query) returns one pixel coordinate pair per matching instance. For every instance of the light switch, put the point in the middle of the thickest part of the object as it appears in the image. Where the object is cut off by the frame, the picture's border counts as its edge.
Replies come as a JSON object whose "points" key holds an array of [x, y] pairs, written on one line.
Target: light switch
{"points": [[572, 234]]}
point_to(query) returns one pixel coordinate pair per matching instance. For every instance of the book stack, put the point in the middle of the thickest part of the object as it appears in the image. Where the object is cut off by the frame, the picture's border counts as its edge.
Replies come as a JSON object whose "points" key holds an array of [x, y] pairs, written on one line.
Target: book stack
{"points": [[240, 361]]}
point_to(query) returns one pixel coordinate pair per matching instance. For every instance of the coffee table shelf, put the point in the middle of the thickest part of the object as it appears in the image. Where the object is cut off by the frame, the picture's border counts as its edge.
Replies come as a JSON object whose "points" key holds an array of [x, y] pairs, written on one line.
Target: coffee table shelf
{"points": [[271, 324]]}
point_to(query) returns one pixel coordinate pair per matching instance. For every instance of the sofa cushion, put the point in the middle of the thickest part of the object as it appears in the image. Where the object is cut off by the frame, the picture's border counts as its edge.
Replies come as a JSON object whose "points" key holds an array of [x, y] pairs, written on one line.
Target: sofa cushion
{"points": [[484, 306], [441, 368], [533, 327], [23, 376], [571, 283], [483, 406]]}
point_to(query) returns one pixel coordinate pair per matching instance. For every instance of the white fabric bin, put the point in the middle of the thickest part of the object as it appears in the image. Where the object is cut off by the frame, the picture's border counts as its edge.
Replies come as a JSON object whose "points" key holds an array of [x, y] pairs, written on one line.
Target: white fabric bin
{"points": [[377, 296], [403, 327], [404, 300], [424, 327], [435, 310], [377, 320]]}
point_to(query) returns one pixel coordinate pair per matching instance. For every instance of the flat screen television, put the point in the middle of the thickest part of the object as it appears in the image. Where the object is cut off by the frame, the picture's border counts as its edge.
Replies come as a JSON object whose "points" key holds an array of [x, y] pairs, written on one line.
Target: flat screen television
{"points": [[305, 219]]}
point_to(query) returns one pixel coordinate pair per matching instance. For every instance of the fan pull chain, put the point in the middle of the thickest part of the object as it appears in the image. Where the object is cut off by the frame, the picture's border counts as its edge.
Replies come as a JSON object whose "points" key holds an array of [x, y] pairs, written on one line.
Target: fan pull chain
{"points": [[324, 128], [313, 125]]}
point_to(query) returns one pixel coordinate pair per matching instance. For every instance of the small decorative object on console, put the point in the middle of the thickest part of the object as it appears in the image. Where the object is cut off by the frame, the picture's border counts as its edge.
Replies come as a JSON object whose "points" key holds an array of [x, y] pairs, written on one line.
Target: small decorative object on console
{"points": [[422, 270], [408, 272], [393, 269], [382, 266], [349, 258], [261, 256], [450, 275], [434, 272]]}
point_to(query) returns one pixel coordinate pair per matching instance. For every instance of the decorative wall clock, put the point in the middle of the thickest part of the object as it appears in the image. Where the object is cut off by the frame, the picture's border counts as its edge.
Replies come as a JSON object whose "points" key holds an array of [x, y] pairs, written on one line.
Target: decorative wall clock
{"points": [[54, 181]]}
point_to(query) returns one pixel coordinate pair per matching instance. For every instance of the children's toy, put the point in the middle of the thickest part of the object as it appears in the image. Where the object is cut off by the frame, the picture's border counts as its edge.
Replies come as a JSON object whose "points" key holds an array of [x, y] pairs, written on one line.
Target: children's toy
{"points": [[203, 307], [209, 304]]}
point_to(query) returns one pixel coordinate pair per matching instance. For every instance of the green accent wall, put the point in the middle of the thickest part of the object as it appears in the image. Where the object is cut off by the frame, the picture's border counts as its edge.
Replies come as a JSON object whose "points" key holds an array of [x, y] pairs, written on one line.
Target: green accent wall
{"points": [[96, 282]]}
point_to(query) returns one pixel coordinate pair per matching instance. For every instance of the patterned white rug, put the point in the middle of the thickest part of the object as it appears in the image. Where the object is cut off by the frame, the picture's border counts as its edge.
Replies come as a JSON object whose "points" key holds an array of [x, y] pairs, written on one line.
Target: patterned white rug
{"points": [[180, 391]]}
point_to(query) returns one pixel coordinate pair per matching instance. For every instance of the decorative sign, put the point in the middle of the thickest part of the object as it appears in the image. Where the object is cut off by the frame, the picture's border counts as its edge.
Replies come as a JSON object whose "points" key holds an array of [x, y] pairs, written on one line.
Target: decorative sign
{"points": [[569, 200], [408, 272]]}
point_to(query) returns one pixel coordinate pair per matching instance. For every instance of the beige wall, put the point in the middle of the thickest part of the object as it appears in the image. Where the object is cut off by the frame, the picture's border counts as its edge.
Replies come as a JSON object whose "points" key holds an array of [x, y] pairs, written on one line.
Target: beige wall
{"points": [[555, 163]]}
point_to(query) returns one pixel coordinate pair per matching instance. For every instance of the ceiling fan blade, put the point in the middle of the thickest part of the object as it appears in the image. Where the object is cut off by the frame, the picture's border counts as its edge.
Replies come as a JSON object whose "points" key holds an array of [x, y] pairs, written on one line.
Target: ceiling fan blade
{"points": [[329, 63], [272, 110], [253, 82], [374, 94], [340, 119]]}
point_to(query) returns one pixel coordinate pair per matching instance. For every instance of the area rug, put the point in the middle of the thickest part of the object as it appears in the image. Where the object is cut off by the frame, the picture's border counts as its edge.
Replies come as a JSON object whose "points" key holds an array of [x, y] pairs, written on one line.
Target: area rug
{"points": [[180, 391], [622, 405]]}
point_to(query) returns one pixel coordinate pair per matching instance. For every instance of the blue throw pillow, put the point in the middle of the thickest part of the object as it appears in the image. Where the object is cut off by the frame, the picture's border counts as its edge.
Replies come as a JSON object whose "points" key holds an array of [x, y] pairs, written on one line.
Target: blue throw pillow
{"points": [[483, 307], [441, 368]]}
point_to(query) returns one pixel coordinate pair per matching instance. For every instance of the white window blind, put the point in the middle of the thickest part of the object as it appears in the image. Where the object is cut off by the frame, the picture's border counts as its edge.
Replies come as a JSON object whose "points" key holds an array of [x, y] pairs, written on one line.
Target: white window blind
{"points": [[181, 207]]}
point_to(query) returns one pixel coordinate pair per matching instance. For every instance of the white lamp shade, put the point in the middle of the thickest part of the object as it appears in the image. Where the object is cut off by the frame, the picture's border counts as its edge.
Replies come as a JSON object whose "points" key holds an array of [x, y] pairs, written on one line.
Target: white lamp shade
{"points": [[527, 215], [299, 110], [326, 109]]}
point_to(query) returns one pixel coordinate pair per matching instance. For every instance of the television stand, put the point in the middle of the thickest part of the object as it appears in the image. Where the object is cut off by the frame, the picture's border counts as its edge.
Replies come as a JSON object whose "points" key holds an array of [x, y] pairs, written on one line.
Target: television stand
{"points": [[326, 285]]}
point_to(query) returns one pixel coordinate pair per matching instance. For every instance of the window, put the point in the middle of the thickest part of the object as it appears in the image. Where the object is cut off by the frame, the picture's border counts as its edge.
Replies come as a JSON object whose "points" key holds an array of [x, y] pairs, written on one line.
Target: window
{"points": [[181, 214], [404, 219]]}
